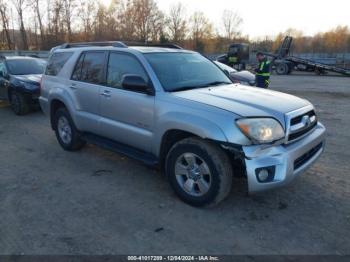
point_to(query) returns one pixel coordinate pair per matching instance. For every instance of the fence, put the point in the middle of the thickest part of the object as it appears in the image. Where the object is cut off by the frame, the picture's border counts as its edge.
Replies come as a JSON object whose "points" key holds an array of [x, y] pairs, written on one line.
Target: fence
{"points": [[40, 54]]}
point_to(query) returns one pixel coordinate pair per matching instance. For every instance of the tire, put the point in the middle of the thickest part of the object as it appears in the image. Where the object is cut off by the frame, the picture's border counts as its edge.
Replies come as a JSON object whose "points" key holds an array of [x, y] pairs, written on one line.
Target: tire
{"points": [[282, 69], [19, 104], [66, 133], [208, 182]]}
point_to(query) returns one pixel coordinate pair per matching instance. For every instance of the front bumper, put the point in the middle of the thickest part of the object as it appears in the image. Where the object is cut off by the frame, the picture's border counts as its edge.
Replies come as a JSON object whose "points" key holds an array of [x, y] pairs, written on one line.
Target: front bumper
{"points": [[44, 104], [284, 162]]}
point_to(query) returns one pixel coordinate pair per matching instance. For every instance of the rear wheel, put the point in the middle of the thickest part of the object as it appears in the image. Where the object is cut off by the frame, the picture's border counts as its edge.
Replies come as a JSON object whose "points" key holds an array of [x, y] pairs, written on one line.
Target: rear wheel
{"points": [[18, 103], [67, 134], [282, 69], [199, 172]]}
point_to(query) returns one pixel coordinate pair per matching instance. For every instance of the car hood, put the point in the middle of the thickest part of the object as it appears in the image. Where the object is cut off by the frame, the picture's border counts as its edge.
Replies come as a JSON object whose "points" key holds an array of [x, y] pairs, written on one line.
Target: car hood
{"points": [[243, 76], [246, 101], [35, 79]]}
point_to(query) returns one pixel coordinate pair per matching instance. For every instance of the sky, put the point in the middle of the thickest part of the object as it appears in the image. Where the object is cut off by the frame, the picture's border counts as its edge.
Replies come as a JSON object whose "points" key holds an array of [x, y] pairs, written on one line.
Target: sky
{"points": [[269, 17]]}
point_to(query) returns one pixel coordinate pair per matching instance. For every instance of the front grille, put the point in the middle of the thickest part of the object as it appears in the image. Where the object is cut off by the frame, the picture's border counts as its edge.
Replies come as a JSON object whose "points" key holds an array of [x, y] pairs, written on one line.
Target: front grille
{"points": [[298, 128], [297, 119], [307, 156]]}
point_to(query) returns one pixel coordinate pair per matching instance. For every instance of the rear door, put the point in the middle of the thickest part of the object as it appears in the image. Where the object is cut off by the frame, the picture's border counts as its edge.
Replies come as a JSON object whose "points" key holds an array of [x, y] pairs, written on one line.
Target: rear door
{"points": [[85, 84], [126, 116]]}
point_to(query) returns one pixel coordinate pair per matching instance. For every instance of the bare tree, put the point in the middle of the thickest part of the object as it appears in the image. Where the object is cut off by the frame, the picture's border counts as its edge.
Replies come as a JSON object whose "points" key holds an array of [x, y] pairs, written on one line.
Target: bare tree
{"points": [[177, 22], [147, 18], [5, 23], [69, 6], [36, 6], [20, 5], [232, 22], [87, 15], [201, 29]]}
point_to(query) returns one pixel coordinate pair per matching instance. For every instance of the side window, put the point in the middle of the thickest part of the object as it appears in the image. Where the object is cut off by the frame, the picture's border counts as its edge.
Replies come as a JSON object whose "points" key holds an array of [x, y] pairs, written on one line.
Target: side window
{"points": [[92, 67], [77, 70], [56, 62], [120, 65]]}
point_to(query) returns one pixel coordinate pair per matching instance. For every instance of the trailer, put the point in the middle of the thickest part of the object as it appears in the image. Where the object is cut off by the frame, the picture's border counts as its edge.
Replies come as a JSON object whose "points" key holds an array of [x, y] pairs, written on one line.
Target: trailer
{"points": [[284, 64]]}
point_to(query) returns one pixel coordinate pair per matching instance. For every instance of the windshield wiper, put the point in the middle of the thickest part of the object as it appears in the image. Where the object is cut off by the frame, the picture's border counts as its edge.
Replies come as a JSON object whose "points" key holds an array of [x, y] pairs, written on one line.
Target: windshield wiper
{"points": [[218, 83], [215, 83]]}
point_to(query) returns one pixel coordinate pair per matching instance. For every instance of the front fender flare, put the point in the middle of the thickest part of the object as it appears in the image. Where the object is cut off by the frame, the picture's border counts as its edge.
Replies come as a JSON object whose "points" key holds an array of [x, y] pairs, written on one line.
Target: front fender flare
{"points": [[194, 124]]}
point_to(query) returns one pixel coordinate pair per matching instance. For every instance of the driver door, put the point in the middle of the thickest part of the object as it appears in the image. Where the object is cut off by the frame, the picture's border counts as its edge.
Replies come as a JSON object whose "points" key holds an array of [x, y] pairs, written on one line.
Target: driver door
{"points": [[126, 116]]}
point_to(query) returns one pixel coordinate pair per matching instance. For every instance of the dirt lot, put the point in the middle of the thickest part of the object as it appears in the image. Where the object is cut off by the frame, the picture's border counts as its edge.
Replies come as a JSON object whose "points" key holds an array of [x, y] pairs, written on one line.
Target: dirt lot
{"points": [[97, 202]]}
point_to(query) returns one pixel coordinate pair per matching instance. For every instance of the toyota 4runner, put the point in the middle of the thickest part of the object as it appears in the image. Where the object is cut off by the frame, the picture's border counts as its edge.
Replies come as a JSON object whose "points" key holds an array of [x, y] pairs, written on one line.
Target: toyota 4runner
{"points": [[176, 109]]}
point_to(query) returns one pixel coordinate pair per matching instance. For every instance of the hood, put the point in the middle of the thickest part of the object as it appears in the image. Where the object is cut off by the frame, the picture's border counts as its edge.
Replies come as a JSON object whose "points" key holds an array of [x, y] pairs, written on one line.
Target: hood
{"points": [[33, 79], [243, 76], [246, 101]]}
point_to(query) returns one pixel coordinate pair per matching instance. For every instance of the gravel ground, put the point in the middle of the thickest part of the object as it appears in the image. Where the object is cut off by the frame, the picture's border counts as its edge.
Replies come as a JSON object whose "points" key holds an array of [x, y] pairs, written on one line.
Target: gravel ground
{"points": [[98, 202]]}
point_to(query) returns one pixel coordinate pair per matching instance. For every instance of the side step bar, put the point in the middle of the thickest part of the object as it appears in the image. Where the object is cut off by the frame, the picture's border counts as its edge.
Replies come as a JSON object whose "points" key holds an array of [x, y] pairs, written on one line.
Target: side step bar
{"points": [[146, 158]]}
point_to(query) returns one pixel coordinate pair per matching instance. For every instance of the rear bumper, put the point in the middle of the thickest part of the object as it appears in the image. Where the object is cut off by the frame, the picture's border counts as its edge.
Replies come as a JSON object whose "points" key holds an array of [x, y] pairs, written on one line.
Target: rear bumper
{"points": [[283, 162]]}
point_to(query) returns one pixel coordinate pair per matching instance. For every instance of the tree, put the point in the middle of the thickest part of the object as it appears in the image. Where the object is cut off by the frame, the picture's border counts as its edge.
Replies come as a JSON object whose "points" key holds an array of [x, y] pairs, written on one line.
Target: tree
{"points": [[5, 23], [36, 6], [232, 22], [68, 13], [177, 22], [20, 5], [147, 19], [201, 29]]}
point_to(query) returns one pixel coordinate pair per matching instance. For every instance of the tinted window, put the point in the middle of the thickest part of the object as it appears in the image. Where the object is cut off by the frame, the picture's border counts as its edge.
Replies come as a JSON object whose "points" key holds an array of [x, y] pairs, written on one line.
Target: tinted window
{"points": [[56, 62], [120, 65], [179, 71], [77, 70], [26, 66], [92, 67]]}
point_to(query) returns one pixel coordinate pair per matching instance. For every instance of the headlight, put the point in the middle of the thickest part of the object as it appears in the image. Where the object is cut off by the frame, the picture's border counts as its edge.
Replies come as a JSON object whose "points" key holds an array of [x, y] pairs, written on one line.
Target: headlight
{"points": [[261, 130], [29, 85]]}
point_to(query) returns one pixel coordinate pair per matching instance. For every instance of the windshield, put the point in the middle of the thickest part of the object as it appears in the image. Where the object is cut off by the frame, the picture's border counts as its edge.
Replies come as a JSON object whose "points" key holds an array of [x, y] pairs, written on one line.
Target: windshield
{"points": [[182, 71], [25, 66], [226, 67]]}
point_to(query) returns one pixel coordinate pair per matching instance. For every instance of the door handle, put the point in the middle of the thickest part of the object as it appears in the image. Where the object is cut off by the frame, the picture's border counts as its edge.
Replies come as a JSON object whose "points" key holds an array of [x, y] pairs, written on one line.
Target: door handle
{"points": [[106, 93]]}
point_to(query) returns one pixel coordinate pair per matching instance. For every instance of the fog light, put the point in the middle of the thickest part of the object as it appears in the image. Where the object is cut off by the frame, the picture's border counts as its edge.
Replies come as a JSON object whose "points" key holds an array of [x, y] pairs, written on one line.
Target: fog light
{"points": [[265, 174]]}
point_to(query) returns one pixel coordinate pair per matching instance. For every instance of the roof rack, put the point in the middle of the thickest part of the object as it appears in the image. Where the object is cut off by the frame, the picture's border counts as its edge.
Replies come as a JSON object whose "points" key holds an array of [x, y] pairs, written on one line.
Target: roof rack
{"points": [[86, 44], [167, 45], [117, 44]]}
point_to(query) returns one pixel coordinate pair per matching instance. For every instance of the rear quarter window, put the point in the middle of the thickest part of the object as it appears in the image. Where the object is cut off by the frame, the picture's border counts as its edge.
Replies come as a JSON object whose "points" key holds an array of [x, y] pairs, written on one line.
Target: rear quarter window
{"points": [[56, 63]]}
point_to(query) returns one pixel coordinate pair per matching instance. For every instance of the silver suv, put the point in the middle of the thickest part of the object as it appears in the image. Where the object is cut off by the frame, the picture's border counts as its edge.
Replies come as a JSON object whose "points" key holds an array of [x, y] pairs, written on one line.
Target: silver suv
{"points": [[176, 109]]}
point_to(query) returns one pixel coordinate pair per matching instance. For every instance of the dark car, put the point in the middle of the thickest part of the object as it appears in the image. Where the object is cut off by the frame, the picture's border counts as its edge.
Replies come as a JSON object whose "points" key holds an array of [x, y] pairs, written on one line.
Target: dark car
{"points": [[242, 77], [20, 82]]}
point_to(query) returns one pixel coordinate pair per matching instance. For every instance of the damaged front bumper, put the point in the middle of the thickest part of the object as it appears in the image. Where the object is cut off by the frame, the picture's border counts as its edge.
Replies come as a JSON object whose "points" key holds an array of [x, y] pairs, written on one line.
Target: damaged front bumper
{"points": [[269, 167]]}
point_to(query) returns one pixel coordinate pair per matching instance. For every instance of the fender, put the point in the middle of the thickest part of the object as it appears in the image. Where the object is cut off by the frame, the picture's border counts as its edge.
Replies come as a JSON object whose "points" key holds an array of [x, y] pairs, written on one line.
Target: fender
{"points": [[62, 95], [194, 124]]}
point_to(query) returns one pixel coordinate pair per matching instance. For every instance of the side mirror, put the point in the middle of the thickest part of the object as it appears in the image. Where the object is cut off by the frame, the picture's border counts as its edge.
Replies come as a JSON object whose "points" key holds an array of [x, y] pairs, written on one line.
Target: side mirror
{"points": [[138, 84], [2, 75]]}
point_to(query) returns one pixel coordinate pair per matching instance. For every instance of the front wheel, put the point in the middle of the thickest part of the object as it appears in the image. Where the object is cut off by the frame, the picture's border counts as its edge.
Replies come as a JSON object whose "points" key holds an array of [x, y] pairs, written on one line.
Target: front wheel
{"points": [[67, 134], [19, 103], [199, 172]]}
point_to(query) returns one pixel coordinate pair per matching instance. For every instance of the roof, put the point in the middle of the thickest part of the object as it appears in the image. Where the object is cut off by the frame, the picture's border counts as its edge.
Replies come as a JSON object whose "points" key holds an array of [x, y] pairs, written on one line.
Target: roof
{"points": [[120, 46]]}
